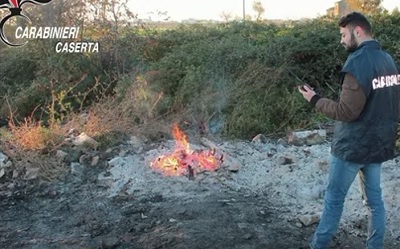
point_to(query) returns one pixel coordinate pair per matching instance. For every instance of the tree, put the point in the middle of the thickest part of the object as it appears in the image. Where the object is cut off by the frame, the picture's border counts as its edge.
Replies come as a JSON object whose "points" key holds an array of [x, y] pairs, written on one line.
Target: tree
{"points": [[110, 13], [259, 9], [364, 6], [226, 16]]}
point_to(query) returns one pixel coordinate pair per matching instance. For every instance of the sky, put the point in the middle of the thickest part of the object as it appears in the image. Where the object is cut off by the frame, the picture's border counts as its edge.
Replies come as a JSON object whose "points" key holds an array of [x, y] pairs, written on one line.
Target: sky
{"points": [[179, 10]]}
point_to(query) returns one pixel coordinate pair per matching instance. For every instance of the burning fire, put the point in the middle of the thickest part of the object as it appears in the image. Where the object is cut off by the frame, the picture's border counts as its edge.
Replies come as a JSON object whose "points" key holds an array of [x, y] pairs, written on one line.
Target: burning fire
{"points": [[183, 160]]}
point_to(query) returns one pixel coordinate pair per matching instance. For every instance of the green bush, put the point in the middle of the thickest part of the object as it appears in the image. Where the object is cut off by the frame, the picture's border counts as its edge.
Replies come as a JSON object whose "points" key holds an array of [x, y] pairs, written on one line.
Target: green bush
{"points": [[259, 103], [233, 75]]}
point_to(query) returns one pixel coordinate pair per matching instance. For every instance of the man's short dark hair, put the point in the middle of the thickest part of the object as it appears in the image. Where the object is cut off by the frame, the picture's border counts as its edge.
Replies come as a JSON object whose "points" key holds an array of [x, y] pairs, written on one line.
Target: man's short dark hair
{"points": [[355, 19]]}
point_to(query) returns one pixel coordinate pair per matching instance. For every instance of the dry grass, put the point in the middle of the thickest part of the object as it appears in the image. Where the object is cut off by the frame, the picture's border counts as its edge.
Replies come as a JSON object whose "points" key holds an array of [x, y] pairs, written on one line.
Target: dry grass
{"points": [[49, 166], [134, 112], [135, 109], [30, 144], [31, 135], [103, 117]]}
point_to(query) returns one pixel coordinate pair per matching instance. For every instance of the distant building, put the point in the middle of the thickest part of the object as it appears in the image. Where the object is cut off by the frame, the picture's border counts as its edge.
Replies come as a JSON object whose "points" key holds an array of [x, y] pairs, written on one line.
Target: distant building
{"points": [[340, 9]]}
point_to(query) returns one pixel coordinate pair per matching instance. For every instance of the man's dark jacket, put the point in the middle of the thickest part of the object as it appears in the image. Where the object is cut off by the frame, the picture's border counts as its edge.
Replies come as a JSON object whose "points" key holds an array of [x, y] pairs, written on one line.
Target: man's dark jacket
{"points": [[371, 137]]}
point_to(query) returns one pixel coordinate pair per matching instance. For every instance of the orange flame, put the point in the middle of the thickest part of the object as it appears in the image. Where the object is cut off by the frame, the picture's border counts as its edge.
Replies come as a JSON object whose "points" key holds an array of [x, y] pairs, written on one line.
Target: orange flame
{"points": [[183, 160]]}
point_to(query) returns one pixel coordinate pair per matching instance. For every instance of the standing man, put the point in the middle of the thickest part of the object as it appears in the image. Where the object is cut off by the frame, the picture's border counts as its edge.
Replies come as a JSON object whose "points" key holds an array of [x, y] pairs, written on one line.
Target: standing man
{"points": [[367, 116]]}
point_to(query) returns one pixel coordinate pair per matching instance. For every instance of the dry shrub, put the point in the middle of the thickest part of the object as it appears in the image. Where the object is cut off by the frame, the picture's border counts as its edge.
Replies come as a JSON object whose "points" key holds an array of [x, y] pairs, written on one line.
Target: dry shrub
{"points": [[140, 101], [29, 146], [31, 135], [49, 166], [125, 113], [148, 109], [103, 117]]}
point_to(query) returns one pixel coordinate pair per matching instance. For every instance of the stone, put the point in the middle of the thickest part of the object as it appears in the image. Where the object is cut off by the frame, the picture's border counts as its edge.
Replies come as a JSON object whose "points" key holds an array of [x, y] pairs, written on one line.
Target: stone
{"points": [[31, 173], [307, 137], [74, 155], [105, 179], [84, 159], [61, 155], [85, 141], [233, 167], [8, 164], [247, 236], [135, 142], [284, 160], [299, 224], [308, 220], [110, 243], [15, 174], [260, 138], [76, 169], [282, 141], [3, 160], [95, 161]]}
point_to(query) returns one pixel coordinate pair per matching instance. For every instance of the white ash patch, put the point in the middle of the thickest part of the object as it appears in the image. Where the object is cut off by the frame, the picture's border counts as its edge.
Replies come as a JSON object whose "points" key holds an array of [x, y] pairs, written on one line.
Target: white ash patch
{"points": [[295, 186], [132, 175]]}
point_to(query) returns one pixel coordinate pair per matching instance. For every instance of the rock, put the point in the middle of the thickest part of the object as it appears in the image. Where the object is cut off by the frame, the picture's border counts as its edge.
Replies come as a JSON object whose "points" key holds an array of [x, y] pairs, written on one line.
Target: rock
{"points": [[285, 158], [260, 138], [76, 169], [31, 173], [116, 161], [74, 155], [135, 142], [15, 174], [84, 159], [307, 137], [110, 243], [85, 141], [299, 225], [123, 153], [2, 173], [95, 161], [3, 160], [8, 164], [105, 179], [282, 141], [247, 236], [233, 167], [61, 155], [308, 220]]}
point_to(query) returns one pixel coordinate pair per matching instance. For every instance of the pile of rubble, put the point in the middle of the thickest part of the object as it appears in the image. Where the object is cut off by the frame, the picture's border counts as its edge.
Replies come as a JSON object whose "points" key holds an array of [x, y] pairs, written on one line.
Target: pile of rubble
{"points": [[291, 171]]}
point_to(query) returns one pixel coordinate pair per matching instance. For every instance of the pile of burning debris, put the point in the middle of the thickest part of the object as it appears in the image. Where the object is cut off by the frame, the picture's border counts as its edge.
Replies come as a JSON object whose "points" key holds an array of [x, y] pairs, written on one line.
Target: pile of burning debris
{"points": [[183, 161]]}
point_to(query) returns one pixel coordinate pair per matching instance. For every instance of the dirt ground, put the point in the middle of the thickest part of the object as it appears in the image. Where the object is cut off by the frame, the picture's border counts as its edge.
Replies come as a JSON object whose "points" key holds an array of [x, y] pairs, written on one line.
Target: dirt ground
{"points": [[71, 214], [77, 212]]}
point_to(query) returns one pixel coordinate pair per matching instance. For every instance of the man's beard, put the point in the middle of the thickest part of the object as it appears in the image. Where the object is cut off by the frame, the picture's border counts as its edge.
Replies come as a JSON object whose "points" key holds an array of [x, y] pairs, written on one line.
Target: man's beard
{"points": [[352, 46]]}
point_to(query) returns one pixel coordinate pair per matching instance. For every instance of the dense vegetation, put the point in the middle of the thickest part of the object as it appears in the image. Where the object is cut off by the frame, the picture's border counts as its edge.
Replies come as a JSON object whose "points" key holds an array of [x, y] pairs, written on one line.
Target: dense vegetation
{"points": [[237, 78]]}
